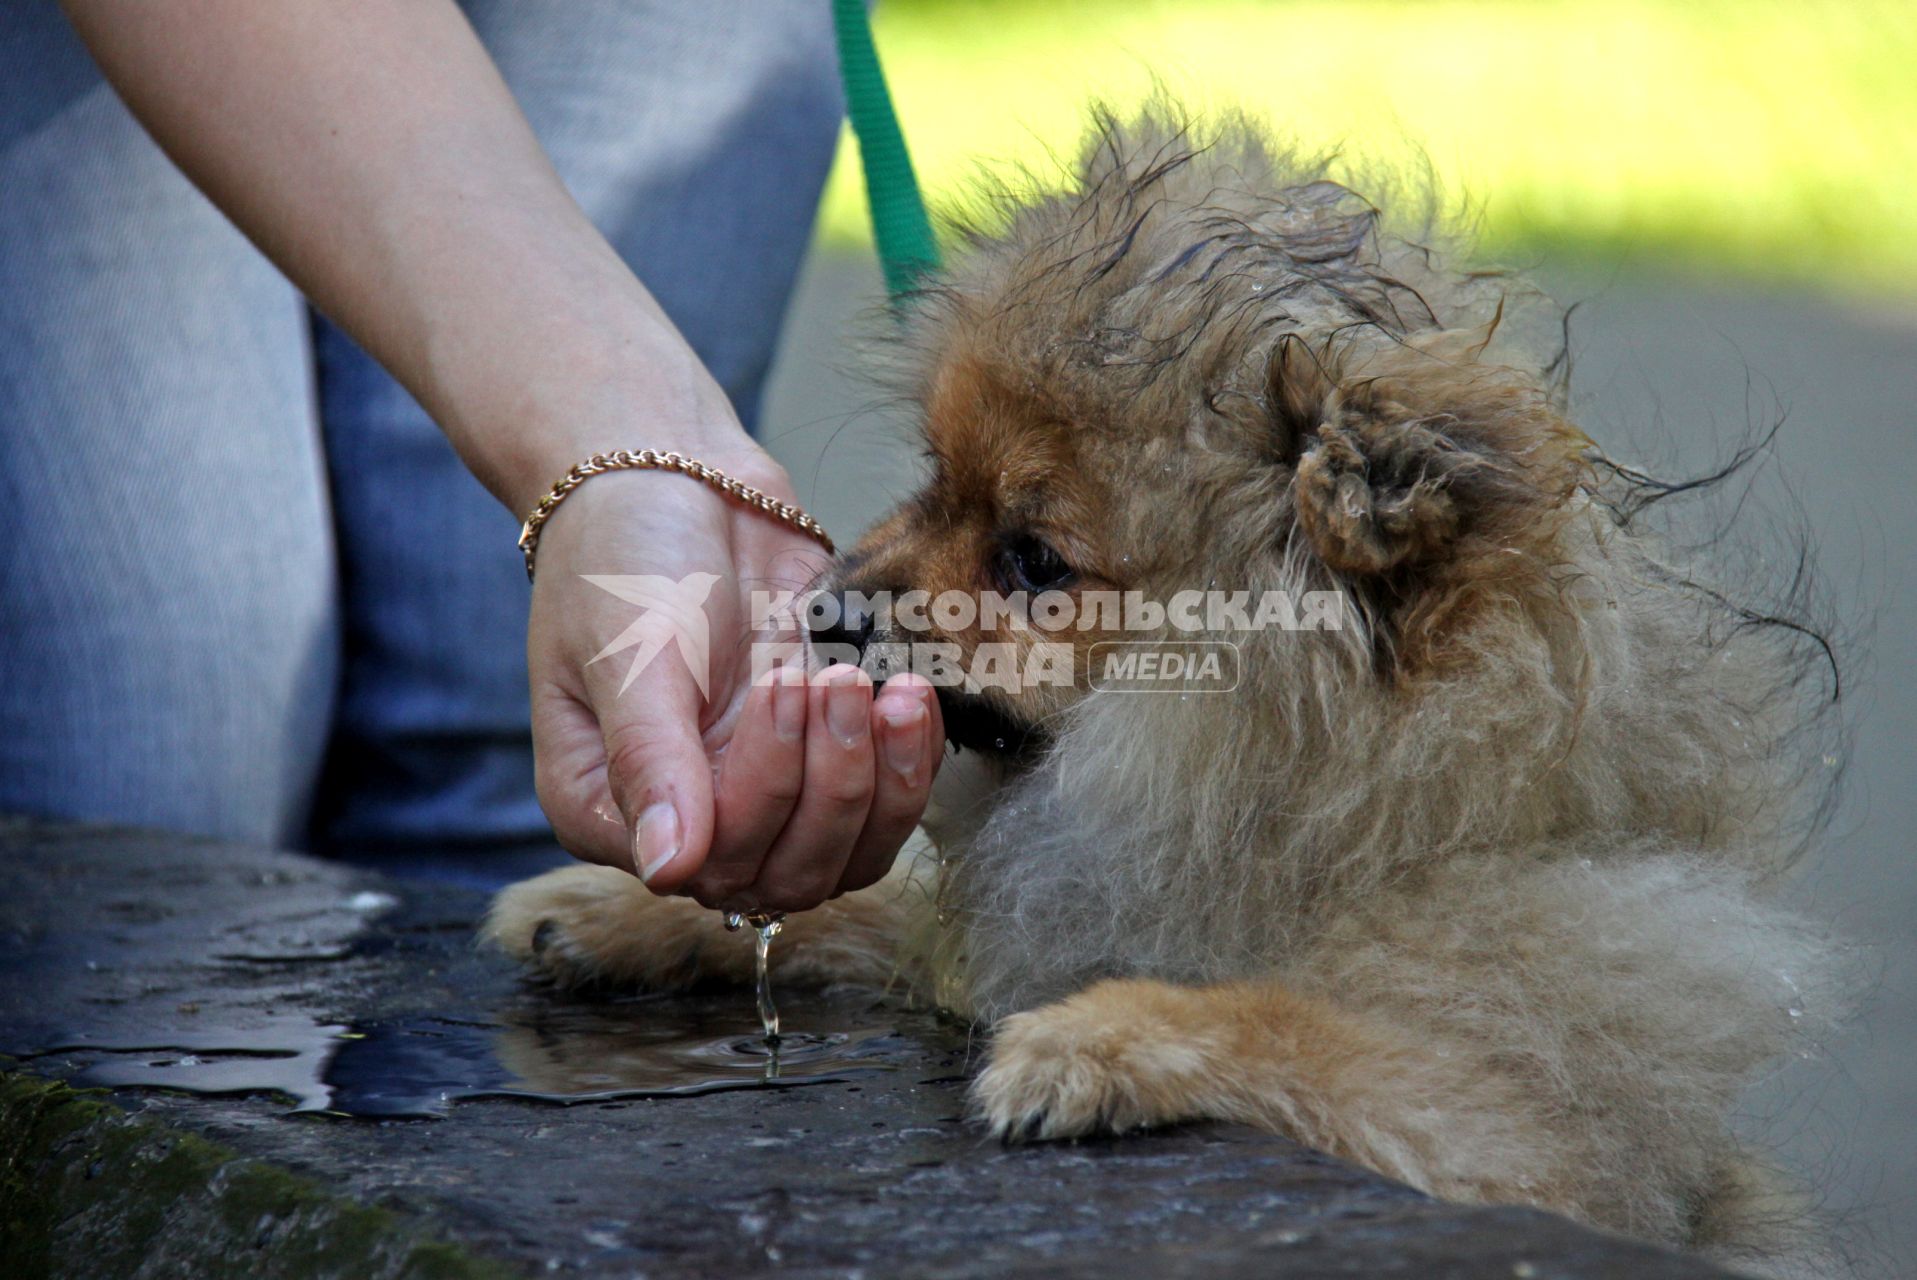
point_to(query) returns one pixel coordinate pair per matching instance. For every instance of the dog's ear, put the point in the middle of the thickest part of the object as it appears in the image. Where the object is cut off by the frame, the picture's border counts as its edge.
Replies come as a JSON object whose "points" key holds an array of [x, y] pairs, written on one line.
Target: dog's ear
{"points": [[1400, 459], [1371, 497]]}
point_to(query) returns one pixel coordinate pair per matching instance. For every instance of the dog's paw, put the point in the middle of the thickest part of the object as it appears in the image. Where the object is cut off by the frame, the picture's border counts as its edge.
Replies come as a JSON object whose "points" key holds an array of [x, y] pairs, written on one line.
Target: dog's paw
{"points": [[1089, 1065], [588, 926]]}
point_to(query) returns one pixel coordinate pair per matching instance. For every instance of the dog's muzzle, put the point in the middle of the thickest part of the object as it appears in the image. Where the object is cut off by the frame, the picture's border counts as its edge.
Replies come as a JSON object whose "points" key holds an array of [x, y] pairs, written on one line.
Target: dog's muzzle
{"points": [[839, 625], [841, 629]]}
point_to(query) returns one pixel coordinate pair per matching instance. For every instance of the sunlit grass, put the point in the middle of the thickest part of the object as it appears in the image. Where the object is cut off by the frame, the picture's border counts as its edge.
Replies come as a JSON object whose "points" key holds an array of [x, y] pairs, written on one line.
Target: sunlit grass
{"points": [[1775, 139]]}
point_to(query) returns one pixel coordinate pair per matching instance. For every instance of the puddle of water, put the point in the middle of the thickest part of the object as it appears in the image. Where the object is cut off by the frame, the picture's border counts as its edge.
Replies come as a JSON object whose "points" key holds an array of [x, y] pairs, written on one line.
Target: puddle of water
{"points": [[479, 1038], [288, 1057], [422, 1066], [566, 1055]]}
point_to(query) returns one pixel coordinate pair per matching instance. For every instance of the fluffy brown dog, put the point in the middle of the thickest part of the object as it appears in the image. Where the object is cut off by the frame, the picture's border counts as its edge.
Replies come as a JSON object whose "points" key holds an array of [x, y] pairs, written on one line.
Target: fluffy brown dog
{"points": [[1472, 890]]}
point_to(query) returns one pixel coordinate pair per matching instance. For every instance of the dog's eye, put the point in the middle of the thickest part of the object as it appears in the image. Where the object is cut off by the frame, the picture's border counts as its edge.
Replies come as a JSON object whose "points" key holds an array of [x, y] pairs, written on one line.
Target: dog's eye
{"points": [[1029, 563]]}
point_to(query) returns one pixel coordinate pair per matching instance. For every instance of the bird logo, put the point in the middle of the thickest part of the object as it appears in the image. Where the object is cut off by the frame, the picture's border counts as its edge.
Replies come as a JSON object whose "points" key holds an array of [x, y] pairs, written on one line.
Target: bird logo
{"points": [[674, 613]]}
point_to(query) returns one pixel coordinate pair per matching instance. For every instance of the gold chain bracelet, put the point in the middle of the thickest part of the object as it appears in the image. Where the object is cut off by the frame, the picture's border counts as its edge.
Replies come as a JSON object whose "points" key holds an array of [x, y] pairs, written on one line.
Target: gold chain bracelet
{"points": [[648, 460]]}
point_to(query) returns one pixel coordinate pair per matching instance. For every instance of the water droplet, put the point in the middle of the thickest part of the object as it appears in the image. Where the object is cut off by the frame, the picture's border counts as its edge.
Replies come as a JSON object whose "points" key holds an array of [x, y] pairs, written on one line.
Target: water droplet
{"points": [[1795, 1012], [1523, 1270]]}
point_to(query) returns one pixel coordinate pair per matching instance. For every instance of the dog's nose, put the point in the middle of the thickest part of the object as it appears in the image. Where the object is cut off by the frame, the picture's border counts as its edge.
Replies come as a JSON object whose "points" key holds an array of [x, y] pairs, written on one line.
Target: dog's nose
{"points": [[838, 619]]}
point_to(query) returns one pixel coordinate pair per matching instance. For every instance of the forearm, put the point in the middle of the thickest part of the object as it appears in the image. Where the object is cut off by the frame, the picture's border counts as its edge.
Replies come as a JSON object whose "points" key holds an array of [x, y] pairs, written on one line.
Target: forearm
{"points": [[371, 150]]}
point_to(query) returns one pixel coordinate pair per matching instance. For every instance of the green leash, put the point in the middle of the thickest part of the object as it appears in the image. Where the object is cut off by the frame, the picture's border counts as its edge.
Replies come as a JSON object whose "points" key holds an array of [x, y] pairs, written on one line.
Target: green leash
{"points": [[903, 233]]}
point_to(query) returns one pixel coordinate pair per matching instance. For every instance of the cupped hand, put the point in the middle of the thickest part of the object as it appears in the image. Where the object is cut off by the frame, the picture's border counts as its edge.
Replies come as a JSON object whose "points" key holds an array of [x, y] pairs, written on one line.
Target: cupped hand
{"points": [[768, 794]]}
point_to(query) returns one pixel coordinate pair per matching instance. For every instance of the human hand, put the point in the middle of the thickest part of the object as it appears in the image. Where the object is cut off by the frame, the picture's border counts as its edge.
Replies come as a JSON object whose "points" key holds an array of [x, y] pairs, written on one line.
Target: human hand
{"points": [[407, 196], [770, 796]]}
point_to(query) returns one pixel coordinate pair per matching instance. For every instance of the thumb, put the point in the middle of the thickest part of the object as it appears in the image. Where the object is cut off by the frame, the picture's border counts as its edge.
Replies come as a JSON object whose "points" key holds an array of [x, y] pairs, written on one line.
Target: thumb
{"points": [[658, 773]]}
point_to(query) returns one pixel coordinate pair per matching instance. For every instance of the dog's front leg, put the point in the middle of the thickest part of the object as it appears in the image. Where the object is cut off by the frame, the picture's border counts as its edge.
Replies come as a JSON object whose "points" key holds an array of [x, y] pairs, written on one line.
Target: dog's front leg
{"points": [[593, 926], [1132, 1054]]}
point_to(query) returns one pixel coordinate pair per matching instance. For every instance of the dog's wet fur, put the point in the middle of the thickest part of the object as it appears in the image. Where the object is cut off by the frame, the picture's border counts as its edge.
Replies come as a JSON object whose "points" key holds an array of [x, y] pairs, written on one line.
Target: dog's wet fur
{"points": [[1477, 891]]}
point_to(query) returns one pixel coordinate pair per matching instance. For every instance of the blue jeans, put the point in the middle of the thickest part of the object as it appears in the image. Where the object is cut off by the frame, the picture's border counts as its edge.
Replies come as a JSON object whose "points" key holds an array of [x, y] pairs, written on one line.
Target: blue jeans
{"points": [[246, 589]]}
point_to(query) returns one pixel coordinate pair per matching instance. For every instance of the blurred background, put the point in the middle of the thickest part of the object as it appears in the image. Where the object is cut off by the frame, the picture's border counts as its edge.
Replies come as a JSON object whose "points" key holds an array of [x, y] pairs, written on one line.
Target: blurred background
{"points": [[1776, 141], [1726, 191]]}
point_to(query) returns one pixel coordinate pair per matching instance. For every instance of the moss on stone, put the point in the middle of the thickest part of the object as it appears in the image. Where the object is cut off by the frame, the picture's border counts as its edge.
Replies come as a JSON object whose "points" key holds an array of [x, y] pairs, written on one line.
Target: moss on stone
{"points": [[87, 1190]]}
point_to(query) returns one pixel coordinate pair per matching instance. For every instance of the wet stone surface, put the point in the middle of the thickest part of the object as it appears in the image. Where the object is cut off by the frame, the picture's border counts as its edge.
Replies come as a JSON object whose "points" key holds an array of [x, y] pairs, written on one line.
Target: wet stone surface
{"points": [[343, 1027]]}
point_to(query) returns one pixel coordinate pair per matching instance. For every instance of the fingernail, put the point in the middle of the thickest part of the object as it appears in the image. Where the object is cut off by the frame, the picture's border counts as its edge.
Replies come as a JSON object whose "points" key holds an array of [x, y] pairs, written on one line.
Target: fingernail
{"points": [[846, 707], [788, 703], [902, 734], [655, 839]]}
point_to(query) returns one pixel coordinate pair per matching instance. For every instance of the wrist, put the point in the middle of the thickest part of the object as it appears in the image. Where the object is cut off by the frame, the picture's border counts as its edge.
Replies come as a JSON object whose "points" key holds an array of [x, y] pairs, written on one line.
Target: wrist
{"points": [[522, 454], [645, 520], [768, 501], [587, 364]]}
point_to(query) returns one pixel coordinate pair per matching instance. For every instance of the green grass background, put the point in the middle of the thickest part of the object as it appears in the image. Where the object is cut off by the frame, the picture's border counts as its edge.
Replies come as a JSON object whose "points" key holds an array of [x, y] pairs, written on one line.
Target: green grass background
{"points": [[1763, 139]]}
